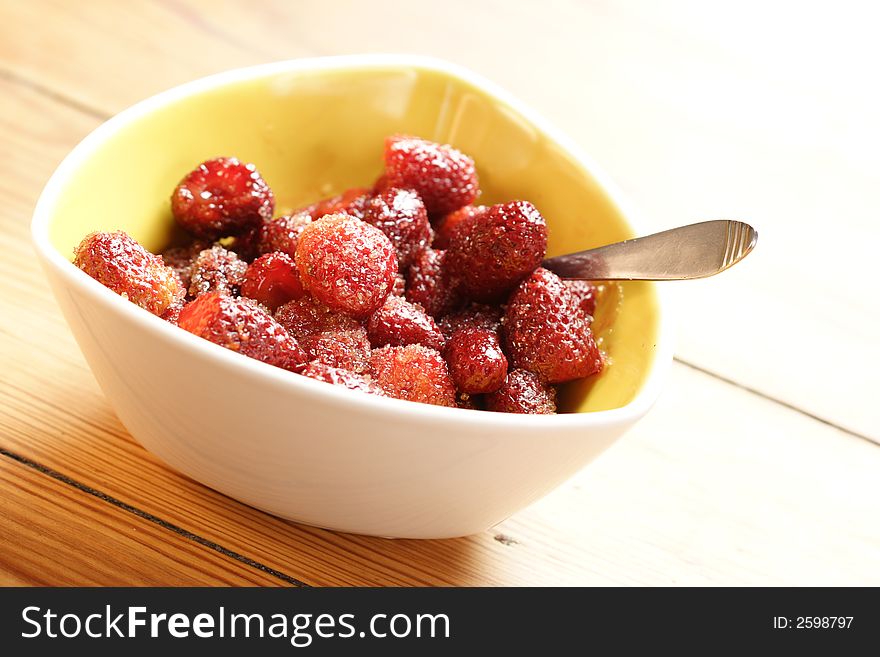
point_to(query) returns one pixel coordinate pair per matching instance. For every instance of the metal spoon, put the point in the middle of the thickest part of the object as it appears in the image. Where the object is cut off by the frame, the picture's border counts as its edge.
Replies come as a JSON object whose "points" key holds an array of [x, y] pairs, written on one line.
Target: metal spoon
{"points": [[694, 251]]}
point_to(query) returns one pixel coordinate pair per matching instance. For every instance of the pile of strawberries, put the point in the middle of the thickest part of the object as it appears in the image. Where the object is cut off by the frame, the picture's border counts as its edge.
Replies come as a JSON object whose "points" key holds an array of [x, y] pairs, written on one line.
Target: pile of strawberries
{"points": [[405, 289]]}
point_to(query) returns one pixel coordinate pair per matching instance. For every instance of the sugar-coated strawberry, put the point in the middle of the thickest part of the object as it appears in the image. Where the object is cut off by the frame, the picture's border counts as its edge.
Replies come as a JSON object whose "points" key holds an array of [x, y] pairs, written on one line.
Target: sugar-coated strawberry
{"points": [[180, 258], [335, 338], [523, 392], [415, 373], [276, 234], [474, 315], [349, 350], [442, 176], [352, 201], [401, 215], [222, 197], [341, 377], [216, 270], [120, 263], [398, 323], [476, 361], [546, 332], [430, 285], [450, 223], [497, 249], [273, 280], [173, 313], [585, 293], [306, 315], [346, 264], [399, 288], [243, 326]]}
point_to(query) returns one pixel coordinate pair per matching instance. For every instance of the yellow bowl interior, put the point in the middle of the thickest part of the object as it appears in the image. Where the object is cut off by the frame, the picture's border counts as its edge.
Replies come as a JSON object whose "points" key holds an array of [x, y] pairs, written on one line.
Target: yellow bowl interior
{"points": [[315, 133]]}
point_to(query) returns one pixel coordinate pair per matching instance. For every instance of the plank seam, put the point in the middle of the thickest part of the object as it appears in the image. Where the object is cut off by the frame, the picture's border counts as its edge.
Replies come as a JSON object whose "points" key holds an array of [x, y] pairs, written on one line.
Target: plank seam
{"points": [[149, 517], [776, 400]]}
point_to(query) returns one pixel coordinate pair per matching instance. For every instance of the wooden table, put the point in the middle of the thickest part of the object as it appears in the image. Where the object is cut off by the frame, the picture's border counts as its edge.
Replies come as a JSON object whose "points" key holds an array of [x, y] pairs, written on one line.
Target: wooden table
{"points": [[760, 463]]}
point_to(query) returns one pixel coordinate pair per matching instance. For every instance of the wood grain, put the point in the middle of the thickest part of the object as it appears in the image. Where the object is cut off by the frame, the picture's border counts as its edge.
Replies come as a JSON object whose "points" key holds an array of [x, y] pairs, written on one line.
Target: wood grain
{"points": [[55, 534], [716, 486]]}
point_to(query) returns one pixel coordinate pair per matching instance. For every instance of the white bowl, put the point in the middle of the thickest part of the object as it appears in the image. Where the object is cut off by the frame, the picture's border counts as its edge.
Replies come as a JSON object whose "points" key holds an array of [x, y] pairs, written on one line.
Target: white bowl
{"points": [[298, 448]]}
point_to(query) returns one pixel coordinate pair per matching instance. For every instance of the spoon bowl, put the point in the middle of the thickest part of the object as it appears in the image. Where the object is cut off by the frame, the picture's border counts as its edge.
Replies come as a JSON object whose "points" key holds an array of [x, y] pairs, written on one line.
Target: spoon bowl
{"points": [[683, 253]]}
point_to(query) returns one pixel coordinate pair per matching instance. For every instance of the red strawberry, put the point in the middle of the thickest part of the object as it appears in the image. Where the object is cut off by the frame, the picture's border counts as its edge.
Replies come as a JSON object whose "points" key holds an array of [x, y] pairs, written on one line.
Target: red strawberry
{"points": [[584, 293], [349, 350], [216, 270], [222, 197], [475, 360], [340, 377], [545, 331], [173, 313], [430, 284], [119, 262], [474, 315], [399, 288], [495, 250], [273, 280], [413, 372], [306, 316], [346, 264], [442, 176], [180, 258], [523, 392], [334, 338], [401, 215], [352, 201], [243, 326], [399, 323], [278, 234], [449, 224]]}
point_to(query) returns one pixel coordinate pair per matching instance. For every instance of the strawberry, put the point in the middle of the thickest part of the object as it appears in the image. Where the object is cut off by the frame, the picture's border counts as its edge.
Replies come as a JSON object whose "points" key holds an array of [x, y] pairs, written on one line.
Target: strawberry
{"points": [[546, 332], [523, 392], [119, 262], [430, 285], [243, 326], [415, 373], [335, 338], [451, 222], [273, 280], [352, 202], [346, 264], [340, 377], [442, 176], [222, 197], [585, 294], [216, 270], [401, 215], [399, 323], [474, 315], [475, 360], [492, 252]]}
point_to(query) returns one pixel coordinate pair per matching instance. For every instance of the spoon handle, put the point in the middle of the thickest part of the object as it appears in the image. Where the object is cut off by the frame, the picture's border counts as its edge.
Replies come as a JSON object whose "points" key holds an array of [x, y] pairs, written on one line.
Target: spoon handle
{"points": [[694, 251]]}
